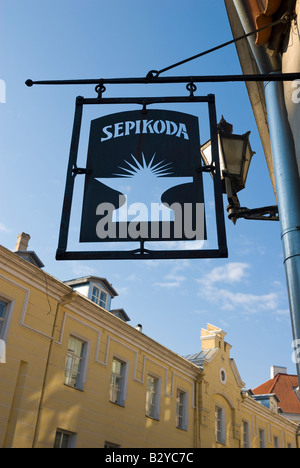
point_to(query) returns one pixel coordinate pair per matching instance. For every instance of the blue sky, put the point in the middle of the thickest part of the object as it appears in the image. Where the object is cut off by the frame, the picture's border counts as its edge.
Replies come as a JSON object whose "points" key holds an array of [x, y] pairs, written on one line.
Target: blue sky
{"points": [[245, 294]]}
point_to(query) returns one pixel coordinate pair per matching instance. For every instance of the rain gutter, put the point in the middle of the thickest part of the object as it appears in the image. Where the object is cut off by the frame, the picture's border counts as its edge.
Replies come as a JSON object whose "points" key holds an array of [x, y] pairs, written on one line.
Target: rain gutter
{"points": [[286, 174]]}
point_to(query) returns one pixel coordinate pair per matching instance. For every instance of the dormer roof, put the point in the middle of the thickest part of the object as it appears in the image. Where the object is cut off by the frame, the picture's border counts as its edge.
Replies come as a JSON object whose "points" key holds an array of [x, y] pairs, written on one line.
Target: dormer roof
{"points": [[93, 279], [121, 314], [284, 386]]}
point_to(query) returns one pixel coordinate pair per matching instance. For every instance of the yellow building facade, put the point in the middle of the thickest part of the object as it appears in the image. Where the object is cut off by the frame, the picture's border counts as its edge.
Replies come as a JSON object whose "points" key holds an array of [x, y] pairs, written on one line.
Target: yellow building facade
{"points": [[75, 374], [227, 414]]}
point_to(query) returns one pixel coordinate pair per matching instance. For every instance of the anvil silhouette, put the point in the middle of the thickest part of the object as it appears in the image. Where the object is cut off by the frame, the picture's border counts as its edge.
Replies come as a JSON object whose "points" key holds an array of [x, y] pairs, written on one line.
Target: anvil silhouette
{"points": [[141, 193]]}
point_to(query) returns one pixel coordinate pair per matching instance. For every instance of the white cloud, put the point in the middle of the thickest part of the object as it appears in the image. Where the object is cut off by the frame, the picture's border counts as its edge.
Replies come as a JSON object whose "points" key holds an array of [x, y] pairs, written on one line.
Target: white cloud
{"points": [[247, 302], [282, 312], [229, 273], [177, 278], [168, 284], [200, 312], [3, 228], [133, 277], [123, 291], [192, 245], [80, 270], [282, 315], [174, 279], [234, 274]]}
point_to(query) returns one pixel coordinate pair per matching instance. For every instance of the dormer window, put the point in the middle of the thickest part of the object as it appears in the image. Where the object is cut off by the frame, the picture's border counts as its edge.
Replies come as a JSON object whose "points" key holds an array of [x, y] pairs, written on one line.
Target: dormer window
{"points": [[99, 296], [98, 290]]}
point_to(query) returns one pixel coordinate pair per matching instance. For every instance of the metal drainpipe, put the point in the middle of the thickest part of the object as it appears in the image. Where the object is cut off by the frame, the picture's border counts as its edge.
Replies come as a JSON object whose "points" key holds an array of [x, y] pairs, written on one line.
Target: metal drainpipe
{"points": [[288, 196], [64, 301], [286, 174], [197, 442]]}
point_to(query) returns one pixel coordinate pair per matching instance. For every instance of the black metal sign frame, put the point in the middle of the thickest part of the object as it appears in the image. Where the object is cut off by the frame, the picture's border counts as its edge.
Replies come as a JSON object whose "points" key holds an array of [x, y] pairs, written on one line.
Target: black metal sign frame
{"points": [[141, 253]]}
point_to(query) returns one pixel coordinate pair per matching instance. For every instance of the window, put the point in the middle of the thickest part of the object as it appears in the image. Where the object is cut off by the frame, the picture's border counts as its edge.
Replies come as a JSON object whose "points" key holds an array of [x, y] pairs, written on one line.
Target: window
{"points": [[223, 376], [108, 444], [246, 435], [276, 442], [181, 410], [152, 397], [3, 316], [99, 296], [262, 438], [75, 363], [117, 382], [64, 439], [220, 425]]}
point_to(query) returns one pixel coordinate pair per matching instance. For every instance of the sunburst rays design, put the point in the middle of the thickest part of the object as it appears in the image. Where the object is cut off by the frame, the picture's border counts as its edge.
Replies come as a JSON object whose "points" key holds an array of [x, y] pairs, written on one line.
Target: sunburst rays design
{"points": [[146, 184], [160, 169]]}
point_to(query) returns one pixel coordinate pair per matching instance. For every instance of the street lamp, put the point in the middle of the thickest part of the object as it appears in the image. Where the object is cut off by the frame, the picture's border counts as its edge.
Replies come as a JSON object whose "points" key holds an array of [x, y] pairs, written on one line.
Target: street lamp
{"points": [[235, 154]]}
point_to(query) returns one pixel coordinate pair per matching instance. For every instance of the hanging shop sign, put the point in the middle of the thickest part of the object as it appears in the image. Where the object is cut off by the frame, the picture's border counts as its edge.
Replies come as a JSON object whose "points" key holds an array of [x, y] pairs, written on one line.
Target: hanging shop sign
{"points": [[143, 180], [143, 183], [107, 214]]}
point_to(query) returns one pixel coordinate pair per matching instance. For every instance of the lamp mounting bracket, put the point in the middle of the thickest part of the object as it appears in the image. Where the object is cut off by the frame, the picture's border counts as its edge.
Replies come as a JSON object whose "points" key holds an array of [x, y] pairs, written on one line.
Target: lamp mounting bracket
{"points": [[266, 213]]}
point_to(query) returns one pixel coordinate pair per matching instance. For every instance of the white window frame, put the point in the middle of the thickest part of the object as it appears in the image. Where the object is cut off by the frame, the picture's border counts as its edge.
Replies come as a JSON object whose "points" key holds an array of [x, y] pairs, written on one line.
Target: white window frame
{"points": [[72, 438], [152, 406], [276, 442], [118, 382], [8, 314], [97, 299], [82, 366], [220, 425], [182, 419], [262, 438], [246, 434]]}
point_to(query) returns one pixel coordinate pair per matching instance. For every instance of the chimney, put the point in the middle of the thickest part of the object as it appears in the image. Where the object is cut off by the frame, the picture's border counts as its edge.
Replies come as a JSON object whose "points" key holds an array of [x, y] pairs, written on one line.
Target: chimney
{"points": [[22, 242], [213, 337], [277, 370], [21, 250]]}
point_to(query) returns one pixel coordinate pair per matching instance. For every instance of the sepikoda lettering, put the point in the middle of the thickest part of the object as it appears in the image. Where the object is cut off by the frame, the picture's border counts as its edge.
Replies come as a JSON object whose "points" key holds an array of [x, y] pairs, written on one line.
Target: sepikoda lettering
{"points": [[159, 127]]}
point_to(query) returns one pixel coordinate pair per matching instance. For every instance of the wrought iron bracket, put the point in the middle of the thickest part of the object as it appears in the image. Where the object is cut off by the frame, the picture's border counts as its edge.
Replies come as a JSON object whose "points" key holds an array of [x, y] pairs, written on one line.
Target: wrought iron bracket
{"points": [[235, 211], [266, 213], [209, 168], [81, 170]]}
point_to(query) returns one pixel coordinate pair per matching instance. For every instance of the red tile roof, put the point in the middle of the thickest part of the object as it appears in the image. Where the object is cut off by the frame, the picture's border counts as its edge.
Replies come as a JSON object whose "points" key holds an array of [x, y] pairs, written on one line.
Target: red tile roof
{"points": [[283, 386]]}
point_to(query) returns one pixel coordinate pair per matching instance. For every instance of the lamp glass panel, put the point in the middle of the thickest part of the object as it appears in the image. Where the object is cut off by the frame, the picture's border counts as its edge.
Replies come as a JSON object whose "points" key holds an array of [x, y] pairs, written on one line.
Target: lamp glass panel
{"points": [[233, 153], [248, 157], [207, 156]]}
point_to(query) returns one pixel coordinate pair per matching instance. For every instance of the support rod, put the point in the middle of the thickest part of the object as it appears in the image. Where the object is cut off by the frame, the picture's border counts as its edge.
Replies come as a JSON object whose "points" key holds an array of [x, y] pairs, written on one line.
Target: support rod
{"points": [[172, 79]]}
